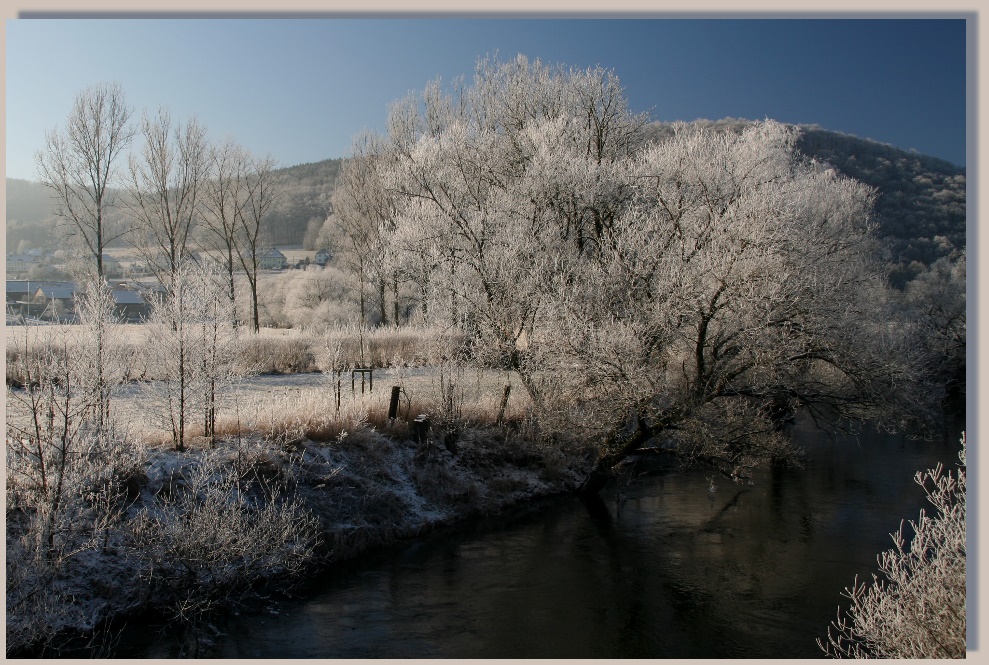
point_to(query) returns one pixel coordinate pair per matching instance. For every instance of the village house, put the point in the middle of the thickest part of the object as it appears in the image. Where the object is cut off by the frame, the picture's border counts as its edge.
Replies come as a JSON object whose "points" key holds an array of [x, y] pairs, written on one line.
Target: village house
{"points": [[130, 305], [21, 263], [147, 291], [19, 297], [272, 260], [323, 257], [24, 301], [54, 302]]}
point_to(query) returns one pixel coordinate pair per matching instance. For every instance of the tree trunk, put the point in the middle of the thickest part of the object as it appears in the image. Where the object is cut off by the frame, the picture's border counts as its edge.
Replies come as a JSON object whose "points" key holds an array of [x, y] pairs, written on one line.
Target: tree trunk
{"points": [[620, 449], [231, 285], [394, 289], [254, 299], [382, 310]]}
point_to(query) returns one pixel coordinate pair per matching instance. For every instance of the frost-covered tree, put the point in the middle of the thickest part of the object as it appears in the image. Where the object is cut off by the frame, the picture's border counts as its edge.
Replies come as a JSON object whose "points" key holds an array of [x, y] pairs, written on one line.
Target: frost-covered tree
{"points": [[77, 165], [493, 181], [937, 300], [738, 285], [363, 211], [65, 462], [691, 291], [99, 349], [165, 191], [191, 346]]}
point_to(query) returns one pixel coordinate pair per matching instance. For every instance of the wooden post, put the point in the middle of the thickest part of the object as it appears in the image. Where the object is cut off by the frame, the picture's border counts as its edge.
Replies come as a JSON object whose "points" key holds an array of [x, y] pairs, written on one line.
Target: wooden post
{"points": [[420, 428], [393, 405]]}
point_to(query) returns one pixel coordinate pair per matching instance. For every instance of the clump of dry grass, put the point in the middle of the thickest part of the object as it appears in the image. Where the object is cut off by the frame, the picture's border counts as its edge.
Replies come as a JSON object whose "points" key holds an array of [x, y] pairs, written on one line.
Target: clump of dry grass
{"points": [[387, 346], [280, 351], [24, 343], [309, 413], [276, 355], [274, 351]]}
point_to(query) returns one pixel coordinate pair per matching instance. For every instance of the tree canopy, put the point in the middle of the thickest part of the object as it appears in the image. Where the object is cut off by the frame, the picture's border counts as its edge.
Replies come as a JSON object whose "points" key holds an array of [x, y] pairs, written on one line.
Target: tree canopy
{"points": [[687, 290]]}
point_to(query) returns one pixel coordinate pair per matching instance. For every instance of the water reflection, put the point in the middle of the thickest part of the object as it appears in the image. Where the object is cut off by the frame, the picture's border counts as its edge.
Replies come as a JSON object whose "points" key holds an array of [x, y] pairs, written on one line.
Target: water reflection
{"points": [[671, 570]]}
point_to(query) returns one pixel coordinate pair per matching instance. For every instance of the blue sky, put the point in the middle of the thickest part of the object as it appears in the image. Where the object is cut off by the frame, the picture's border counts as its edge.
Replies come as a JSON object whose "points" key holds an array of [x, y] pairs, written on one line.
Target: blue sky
{"points": [[301, 89]]}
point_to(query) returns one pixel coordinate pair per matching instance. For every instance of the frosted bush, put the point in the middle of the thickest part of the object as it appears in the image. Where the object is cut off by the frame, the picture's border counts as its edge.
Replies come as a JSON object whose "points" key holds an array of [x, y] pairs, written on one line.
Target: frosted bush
{"points": [[916, 607]]}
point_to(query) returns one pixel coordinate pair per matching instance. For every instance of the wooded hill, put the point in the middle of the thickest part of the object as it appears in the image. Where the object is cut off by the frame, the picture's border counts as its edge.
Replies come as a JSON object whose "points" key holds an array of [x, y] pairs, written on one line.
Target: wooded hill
{"points": [[920, 208], [304, 203]]}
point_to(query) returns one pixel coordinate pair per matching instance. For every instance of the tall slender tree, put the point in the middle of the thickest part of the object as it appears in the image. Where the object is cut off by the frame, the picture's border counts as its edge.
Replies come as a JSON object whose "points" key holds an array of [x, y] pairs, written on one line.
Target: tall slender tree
{"points": [[261, 191], [223, 201], [78, 166], [165, 191]]}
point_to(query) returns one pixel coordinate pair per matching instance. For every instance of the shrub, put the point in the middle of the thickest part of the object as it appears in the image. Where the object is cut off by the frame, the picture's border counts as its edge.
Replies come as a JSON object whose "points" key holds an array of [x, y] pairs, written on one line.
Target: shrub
{"points": [[215, 535], [917, 608]]}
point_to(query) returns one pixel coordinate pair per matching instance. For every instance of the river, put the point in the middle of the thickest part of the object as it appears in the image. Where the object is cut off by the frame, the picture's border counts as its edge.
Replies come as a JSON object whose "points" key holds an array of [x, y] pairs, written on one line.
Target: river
{"points": [[673, 564]]}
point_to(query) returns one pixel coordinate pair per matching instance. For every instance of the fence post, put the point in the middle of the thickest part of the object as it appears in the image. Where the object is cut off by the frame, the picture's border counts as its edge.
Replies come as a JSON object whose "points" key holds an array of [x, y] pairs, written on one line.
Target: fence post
{"points": [[420, 428], [393, 405]]}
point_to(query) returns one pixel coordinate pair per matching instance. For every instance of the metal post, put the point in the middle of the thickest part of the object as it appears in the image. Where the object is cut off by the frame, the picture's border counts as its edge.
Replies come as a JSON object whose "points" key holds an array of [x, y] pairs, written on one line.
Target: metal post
{"points": [[367, 375]]}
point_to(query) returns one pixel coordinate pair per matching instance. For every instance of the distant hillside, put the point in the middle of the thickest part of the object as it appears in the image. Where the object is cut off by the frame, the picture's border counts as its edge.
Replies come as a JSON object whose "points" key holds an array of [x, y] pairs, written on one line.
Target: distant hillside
{"points": [[305, 198], [920, 209], [305, 201], [29, 222]]}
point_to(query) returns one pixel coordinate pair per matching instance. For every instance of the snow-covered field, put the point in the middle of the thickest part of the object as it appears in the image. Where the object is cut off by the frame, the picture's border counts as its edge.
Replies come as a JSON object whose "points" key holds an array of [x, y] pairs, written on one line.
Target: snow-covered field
{"points": [[269, 399]]}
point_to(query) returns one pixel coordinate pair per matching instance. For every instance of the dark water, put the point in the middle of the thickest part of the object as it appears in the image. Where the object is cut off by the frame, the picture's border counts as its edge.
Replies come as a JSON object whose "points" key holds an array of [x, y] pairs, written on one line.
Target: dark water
{"points": [[678, 570]]}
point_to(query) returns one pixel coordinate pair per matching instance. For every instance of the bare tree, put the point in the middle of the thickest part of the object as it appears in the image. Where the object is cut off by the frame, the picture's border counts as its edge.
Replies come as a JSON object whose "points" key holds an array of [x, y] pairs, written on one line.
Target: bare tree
{"points": [[216, 337], [165, 189], [223, 200], [191, 345], [77, 165], [261, 191]]}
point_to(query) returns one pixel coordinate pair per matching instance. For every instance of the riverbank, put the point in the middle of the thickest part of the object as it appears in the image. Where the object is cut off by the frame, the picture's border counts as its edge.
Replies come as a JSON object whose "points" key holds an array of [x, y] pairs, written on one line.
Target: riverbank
{"points": [[666, 557], [366, 489]]}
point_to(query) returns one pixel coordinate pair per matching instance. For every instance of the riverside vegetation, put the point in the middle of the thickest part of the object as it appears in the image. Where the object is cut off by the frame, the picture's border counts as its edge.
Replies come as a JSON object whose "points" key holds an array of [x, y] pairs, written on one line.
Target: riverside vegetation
{"points": [[105, 517], [676, 294]]}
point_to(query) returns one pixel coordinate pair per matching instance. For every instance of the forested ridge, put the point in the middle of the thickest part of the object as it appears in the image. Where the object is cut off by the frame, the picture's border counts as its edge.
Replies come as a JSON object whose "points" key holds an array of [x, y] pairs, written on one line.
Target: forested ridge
{"points": [[304, 203], [919, 210]]}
